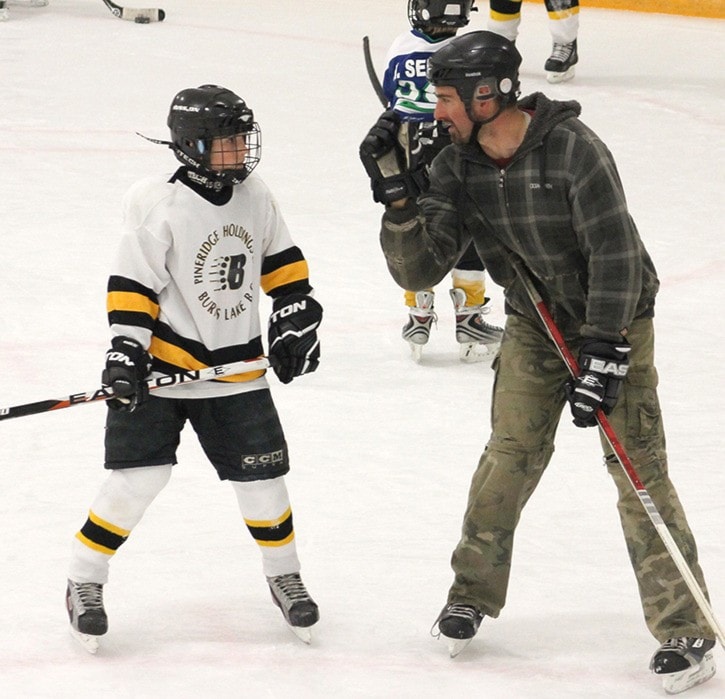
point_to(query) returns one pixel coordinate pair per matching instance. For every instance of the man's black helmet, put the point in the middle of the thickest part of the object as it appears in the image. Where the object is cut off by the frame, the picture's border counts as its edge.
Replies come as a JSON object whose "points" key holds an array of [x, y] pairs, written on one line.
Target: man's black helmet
{"points": [[440, 13], [479, 65], [200, 114]]}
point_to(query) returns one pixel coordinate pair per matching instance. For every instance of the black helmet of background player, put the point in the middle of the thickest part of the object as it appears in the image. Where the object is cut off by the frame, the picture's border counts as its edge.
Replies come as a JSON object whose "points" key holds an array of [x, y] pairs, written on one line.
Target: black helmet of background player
{"points": [[200, 114], [480, 66], [439, 17]]}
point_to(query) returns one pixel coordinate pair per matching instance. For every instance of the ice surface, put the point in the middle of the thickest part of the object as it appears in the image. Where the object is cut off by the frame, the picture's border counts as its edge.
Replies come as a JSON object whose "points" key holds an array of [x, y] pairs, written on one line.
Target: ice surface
{"points": [[382, 449]]}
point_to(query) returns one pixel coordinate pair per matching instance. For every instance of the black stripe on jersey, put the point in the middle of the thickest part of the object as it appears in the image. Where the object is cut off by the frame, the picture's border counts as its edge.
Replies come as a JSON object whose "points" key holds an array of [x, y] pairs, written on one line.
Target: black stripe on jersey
{"points": [[116, 283], [223, 355], [101, 536], [281, 259], [135, 318], [278, 533]]}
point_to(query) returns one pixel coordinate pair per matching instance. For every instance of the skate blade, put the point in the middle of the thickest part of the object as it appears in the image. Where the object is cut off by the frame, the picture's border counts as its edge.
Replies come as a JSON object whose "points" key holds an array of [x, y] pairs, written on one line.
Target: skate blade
{"points": [[88, 642], [416, 352], [303, 633], [554, 78], [473, 352], [456, 645], [677, 682]]}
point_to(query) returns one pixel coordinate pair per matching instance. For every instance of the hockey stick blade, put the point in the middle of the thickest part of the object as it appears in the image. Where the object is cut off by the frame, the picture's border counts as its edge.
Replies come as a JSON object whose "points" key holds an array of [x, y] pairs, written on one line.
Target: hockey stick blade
{"points": [[133, 14], [372, 75], [165, 381]]}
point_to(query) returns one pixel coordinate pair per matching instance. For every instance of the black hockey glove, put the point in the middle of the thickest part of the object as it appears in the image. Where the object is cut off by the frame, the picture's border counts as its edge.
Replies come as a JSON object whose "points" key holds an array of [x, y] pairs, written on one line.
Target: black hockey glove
{"points": [[603, 367], [127, 368], [386, 162], [293, 345]]}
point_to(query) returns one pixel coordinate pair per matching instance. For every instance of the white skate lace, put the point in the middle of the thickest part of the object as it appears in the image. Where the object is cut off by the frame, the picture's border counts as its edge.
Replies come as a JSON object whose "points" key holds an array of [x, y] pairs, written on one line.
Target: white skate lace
{"points": [[90, 596], [291, 587], [462, 611], [561, 52]]}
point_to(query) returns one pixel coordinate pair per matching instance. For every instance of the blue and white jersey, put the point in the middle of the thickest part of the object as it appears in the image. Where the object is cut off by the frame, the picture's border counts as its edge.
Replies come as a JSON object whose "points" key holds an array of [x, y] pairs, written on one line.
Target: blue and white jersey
{"points": [[405, 82]]}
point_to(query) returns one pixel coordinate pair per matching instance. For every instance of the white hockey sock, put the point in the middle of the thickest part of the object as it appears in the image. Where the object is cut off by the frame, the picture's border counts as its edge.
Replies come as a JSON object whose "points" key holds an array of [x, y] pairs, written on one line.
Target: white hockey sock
{"points": [[116, 510], [267, 513]]}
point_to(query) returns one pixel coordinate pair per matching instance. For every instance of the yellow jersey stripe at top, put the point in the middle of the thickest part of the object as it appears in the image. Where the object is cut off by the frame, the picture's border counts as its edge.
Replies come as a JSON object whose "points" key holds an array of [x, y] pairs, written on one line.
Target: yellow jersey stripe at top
{"points": [[172, 354], [288, 274]]}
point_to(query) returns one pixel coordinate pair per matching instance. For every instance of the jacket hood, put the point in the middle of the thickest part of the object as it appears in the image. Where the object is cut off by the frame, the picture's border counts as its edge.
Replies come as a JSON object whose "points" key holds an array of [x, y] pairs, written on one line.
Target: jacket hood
{"points": [[547, 115]]}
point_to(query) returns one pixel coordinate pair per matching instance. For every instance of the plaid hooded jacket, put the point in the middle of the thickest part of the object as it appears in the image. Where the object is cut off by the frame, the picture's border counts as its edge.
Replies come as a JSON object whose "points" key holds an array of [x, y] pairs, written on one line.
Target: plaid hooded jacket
{"points": [[558, 205]]}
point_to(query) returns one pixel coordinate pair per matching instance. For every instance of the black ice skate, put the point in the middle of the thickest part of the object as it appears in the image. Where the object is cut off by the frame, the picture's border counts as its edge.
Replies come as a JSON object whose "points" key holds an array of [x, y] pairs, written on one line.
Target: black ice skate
{"points": [[299, 610], [88, 620], [683, 663], [560, 65], [459, 624]]}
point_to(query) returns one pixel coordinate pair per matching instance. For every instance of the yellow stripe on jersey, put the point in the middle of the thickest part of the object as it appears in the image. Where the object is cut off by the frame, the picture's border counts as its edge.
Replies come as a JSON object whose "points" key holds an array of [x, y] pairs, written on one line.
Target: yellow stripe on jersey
{"points": [[294, 272], [172, 354], [131, 301]]}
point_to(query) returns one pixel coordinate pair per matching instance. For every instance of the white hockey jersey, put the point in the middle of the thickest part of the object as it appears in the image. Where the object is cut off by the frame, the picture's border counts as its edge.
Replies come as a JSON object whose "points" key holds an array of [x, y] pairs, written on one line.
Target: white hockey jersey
{"points": [[188, 275]]}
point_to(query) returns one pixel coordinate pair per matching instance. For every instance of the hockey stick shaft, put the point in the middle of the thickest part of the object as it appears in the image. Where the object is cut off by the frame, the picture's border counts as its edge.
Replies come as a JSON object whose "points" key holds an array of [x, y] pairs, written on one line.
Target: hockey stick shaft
{"points": [[166, 381], [661, 528], [372, 75], [134, 14]]}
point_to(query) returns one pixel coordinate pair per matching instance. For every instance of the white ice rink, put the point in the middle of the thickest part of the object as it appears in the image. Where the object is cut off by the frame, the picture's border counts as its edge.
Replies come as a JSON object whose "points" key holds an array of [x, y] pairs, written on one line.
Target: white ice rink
{"points": [[382, 449]]}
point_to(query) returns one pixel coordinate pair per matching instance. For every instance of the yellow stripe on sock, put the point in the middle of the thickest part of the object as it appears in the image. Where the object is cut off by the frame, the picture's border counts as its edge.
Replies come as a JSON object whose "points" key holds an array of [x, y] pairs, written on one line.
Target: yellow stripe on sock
{"points": [[269, 522], [563, 14], [93, 545], [107, 525], [274, 544]]}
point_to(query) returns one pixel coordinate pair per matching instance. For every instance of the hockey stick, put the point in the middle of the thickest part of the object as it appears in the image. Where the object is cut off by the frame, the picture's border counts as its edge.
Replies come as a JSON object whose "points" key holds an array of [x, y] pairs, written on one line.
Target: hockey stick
{"points": [[678, 559], [166, 381], [371, 72], [138, 15]]}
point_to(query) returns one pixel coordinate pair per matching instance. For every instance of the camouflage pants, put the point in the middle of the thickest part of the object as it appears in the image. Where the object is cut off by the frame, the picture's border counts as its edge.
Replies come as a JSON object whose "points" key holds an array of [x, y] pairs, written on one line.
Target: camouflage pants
{"points": [[528, 398]]}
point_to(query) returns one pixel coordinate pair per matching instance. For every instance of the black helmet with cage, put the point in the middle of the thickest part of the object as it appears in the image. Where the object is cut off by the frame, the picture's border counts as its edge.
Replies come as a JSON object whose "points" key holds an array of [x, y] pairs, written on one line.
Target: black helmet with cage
{"points": [[480, 66], [452, 14], [199, 115]]}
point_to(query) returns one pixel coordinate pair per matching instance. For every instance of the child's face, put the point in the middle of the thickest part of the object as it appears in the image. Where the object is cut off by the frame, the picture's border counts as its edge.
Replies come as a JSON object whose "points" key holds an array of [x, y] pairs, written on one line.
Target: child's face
{"points": [[228, 153]]}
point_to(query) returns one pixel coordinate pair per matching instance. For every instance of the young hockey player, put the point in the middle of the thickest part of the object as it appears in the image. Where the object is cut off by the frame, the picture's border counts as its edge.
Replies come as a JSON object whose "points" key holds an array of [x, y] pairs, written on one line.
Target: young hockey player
{"points": [[534, 188], [199, 247], [411, 101], [505, 17]]}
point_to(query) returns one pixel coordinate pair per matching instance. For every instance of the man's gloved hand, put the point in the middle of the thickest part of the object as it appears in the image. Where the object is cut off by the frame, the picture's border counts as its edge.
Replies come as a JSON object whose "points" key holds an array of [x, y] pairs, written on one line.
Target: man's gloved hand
{"points": [[386, 162], [603, 367], [128, 366], [293, 345]]}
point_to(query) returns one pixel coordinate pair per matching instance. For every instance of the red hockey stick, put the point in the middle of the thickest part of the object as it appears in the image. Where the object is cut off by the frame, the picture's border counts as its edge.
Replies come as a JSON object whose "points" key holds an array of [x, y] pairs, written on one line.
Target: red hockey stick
{"points": [[644, 497]]}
